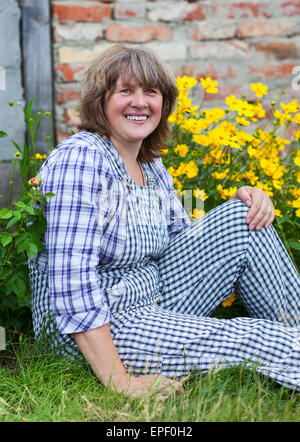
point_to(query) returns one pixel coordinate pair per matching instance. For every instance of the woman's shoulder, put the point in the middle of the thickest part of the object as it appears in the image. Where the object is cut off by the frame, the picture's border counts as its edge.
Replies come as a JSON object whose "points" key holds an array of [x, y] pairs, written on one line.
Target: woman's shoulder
{"points": [[81, 147]]}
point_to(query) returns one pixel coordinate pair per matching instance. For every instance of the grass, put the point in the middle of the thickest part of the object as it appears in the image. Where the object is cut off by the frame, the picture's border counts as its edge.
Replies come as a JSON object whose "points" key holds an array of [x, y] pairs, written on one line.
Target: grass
{"points": [[42, 388]]}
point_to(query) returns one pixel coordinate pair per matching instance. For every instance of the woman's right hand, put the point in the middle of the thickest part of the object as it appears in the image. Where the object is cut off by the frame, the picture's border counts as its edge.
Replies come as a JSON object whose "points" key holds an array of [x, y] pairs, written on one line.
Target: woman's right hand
{"points": [[156, 384]]}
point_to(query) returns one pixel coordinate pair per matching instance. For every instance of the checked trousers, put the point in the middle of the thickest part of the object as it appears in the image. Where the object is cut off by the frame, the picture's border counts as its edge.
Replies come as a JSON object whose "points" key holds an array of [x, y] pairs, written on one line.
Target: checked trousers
{"points": [[199, 269]]}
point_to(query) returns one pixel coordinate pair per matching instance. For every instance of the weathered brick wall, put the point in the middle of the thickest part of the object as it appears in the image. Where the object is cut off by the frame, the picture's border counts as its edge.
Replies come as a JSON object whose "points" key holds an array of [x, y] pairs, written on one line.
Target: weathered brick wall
{"points": [[235, 42]]}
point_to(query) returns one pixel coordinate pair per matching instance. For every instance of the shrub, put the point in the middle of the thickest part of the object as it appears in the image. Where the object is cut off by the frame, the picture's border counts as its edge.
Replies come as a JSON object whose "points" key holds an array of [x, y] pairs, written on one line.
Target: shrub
{"points": [[22, 226]]}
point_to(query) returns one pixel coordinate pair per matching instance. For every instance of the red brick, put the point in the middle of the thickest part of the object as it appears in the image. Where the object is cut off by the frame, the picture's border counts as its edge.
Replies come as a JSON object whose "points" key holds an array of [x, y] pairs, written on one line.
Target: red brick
{"points": [[261, 28], [68, 72], [278, 49], [205, 30], [129, 10], [65, 96], [71, 117], [273, 70], [67, 13], [137, 34], [290, 8], [220, 49], [194, 12], [241, 10], [215, 72]]}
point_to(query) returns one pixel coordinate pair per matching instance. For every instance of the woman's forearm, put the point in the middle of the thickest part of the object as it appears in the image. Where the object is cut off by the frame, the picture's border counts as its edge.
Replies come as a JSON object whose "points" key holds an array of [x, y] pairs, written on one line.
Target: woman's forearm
{"points": [[98, 348]]}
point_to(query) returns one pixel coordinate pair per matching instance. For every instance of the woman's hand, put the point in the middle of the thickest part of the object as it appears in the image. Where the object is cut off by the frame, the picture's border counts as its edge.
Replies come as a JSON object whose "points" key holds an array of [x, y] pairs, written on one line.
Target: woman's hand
{"points": [[140, 386], [261, 213]]}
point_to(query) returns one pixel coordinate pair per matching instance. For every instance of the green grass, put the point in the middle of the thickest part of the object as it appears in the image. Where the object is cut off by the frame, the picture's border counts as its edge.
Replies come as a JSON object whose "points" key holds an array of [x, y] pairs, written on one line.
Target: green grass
{"points": [[40, 387]]}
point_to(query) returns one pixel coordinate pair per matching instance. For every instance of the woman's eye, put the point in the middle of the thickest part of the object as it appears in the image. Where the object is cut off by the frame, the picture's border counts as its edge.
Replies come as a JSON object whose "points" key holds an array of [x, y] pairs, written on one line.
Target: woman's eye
{"points": [[151, 91], [125, 91]]}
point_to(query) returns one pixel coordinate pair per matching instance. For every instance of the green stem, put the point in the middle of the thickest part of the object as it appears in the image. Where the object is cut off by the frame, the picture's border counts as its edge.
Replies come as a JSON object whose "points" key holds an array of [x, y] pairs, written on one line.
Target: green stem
{"points": [[12, 186]]}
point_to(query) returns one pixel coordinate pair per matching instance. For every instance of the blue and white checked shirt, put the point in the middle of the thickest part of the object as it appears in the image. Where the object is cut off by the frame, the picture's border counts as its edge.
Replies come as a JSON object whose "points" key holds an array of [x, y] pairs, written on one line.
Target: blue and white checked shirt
{"points": [[81, 172]]}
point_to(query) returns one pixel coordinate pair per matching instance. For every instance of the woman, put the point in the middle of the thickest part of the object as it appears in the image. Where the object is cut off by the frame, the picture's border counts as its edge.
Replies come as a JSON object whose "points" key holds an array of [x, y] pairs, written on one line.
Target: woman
{"points": [[126, 279]]}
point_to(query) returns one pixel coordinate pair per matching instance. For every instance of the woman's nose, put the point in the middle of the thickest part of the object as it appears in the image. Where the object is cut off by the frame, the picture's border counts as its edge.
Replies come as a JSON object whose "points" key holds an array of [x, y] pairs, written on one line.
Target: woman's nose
{"points": [[139, 98]]}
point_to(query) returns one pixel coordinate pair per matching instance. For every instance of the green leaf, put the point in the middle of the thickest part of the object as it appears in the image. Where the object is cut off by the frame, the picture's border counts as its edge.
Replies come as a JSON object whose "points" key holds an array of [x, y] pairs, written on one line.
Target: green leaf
{"points": [[5, 238], [6, 213], [11, 223], [294, 245], [31, 249], [6, 272], [3, 134], [49, 195]]}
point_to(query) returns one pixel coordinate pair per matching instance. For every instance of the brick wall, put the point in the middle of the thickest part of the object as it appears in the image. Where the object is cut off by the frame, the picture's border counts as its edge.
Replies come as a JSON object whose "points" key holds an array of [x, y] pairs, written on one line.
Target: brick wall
{"points": [[235, 42]]}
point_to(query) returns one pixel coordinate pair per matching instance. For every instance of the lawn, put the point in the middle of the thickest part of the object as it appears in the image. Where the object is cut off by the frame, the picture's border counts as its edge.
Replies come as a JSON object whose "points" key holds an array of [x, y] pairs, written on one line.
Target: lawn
{"points": [[40, 387]]}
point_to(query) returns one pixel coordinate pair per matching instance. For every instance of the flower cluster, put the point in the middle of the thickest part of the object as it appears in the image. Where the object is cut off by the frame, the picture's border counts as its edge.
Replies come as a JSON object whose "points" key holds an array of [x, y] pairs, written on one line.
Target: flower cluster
{"points": [[222, 148]]}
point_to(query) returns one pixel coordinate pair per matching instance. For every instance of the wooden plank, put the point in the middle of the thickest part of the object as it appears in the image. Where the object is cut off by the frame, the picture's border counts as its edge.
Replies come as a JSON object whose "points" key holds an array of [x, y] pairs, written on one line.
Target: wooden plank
{"points": [[37, 60]]}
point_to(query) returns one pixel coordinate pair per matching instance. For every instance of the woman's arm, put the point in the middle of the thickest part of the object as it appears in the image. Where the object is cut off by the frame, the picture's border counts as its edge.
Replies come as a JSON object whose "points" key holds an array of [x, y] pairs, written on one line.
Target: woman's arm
{"points": [[98, 348]]}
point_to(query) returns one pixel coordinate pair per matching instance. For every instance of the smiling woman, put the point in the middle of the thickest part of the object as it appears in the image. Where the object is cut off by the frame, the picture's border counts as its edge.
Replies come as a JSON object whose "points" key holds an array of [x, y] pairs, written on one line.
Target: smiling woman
{"points": [[133, 112], [126, 279], [124, 66]]}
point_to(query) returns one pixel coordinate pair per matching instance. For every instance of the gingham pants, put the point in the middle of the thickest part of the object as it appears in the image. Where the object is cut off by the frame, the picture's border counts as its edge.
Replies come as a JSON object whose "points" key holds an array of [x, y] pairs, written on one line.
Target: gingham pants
{"points": [[199, 269]]}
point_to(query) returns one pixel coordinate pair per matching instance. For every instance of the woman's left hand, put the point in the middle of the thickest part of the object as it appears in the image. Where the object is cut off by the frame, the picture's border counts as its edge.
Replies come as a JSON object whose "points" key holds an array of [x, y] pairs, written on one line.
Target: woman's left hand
{"points": [[261, 213]]}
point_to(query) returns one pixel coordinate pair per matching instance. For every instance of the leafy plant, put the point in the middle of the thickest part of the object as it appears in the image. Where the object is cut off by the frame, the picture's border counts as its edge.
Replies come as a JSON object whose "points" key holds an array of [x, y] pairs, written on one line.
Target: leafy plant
{"points": [[22, 226]]}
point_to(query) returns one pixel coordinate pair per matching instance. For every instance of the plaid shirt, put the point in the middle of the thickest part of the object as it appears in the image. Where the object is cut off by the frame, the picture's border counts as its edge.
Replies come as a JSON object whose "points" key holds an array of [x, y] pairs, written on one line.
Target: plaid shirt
{"points": [[80, 172]]}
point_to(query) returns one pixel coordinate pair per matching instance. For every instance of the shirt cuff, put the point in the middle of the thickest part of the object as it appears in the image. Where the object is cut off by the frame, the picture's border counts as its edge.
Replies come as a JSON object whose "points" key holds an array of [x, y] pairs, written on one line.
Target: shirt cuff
{"points": [[83, 321]]}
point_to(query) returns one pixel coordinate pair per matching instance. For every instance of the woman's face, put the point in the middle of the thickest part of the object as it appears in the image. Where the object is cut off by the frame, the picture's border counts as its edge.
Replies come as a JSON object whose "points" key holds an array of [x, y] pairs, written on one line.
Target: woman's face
{"points": [[133, 112]]}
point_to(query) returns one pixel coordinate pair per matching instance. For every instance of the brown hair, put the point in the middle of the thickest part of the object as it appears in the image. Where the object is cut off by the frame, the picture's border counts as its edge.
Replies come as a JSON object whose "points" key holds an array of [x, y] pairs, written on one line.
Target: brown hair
{"points": [[127, 63]]}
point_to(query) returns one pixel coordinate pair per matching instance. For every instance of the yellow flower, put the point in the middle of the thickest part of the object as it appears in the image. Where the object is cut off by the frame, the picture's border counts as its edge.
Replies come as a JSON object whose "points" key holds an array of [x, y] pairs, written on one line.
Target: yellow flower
{"points": [[297, 159], [277, 184], [209, 85], [226, 193], [214, 115], [185, 105], [297, 135], [278, 213], [200, 193], [177, 183], [252, 152], [251, 177], [220, 175], [197, 213], [242, 121], [185, 82], [189, 169], [291, 107], [297, 118], [296, 203], [228, 302], [181, 149], [282, 117], [203, 140], [260, 89]]}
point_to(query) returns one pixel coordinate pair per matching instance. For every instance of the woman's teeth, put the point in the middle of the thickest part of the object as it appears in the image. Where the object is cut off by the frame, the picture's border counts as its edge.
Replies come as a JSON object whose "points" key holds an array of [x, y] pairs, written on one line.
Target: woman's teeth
{"points": [[137, 117]]}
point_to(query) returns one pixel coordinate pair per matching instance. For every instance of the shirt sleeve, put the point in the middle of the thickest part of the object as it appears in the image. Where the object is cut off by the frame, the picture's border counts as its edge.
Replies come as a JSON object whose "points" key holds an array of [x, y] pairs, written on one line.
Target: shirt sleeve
{"points": [[73, 237]]}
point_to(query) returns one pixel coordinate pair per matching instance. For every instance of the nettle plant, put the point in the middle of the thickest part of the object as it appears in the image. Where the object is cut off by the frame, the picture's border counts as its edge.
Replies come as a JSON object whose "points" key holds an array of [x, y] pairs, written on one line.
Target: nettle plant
{"points": [[22, 226]]}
